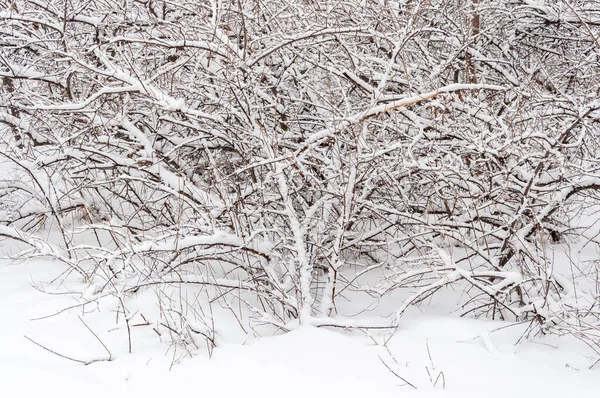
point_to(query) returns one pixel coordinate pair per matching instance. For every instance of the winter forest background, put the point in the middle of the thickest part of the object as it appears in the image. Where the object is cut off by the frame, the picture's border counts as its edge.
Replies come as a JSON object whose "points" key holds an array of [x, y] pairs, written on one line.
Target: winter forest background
{"points": [[270, 164]]}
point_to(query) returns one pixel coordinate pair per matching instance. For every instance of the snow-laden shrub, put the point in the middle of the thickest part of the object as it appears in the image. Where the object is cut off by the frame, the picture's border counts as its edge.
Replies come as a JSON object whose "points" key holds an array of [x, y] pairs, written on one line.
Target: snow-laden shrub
{"points": [[283, 154]]}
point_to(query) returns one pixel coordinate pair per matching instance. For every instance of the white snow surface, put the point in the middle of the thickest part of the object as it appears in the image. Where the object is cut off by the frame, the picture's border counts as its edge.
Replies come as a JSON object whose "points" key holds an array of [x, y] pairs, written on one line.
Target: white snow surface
{"points": [[441, 355]]}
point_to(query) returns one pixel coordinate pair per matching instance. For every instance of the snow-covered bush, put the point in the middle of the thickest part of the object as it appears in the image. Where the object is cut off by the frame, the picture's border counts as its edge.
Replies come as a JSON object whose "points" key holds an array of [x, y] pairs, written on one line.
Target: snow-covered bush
{"points": [[284, 153]]}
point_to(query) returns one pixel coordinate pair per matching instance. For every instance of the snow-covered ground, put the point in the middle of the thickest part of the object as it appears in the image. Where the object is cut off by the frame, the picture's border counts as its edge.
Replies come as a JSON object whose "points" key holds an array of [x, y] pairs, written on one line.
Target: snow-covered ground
{"points": [[442, 356]]}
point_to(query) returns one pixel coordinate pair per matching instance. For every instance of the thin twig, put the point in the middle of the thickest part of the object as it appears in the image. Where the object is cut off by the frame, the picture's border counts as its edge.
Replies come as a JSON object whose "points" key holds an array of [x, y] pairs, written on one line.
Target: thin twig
{"points": [[56, 353], [396, 374], [110, 357]]}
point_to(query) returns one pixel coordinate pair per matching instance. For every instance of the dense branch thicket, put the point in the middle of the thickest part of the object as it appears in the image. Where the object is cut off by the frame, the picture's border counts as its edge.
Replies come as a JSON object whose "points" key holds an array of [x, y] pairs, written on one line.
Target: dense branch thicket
{"points": [[287, 152]]}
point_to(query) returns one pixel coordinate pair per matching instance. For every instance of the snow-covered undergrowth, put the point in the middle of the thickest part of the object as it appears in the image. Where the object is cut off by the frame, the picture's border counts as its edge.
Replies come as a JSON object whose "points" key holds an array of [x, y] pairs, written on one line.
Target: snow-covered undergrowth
{"points": [[213, 172], [441, 355]]}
